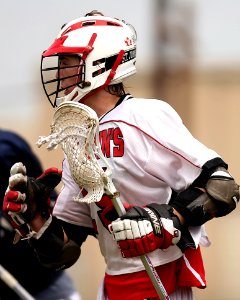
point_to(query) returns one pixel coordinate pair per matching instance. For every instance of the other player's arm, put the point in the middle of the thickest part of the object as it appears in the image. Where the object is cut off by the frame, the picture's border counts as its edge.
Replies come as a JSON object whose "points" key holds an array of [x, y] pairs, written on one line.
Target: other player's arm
{"points": [[59, 247], [26, 204]]}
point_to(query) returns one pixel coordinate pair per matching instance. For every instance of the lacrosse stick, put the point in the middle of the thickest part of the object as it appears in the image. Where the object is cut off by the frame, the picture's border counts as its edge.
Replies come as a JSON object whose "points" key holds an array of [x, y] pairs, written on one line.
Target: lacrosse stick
{"points": [[76, 128], [11, 281]]}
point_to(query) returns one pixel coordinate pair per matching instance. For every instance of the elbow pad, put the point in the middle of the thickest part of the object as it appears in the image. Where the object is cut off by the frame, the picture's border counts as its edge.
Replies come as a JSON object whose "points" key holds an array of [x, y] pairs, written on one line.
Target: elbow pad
{"points": [[51, 250], [197, 206], [223, 189]]}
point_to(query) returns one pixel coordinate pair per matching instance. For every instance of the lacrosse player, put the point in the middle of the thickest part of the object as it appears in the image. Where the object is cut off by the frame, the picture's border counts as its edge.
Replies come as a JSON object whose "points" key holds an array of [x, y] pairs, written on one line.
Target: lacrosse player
{"points": [[169, 182], [19, 259]]}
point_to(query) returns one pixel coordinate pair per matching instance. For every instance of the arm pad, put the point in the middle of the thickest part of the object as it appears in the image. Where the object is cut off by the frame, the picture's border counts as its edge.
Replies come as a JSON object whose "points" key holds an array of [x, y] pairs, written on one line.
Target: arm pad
{"points": [[220, 198], [223, 189], [51, 250]]}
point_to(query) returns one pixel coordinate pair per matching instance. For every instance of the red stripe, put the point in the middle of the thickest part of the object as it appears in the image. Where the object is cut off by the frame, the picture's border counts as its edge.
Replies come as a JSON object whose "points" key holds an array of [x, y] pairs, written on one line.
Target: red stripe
{"points": [[136, 127], [109, 78], [93, 22]]}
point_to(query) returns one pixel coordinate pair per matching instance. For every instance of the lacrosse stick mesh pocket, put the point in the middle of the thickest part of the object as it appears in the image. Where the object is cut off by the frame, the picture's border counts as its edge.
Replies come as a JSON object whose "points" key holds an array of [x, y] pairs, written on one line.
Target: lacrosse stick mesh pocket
{"points": [[74, 127]]}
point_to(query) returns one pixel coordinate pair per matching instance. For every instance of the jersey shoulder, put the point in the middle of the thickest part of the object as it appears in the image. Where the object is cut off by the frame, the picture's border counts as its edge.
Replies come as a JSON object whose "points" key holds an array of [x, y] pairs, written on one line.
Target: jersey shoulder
{"points": [[142, 110]]}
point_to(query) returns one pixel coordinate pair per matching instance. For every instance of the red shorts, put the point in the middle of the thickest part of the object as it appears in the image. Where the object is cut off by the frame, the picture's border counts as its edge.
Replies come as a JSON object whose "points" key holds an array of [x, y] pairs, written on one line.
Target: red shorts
{"points": [[187, 271]]}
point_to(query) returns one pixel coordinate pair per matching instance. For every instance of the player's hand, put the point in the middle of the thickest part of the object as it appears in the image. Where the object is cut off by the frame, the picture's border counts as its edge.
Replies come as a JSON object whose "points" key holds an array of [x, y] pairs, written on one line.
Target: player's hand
{"points": [[144, 229], [26, 196]]}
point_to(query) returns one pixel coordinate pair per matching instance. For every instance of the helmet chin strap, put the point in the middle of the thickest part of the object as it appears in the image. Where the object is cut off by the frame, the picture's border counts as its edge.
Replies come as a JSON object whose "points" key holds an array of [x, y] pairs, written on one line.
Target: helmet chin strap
{"points": [[109, 78]]}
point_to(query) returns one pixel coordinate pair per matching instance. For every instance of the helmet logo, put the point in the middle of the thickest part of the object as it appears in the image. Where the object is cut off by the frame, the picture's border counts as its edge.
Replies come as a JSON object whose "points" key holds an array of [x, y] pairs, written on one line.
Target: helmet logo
{"points": [[128, 41]]}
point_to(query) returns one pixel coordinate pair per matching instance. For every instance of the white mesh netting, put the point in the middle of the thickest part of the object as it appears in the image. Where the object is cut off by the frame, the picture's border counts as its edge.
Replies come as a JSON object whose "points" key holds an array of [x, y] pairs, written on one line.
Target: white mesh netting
{"points": [[74, 127]]}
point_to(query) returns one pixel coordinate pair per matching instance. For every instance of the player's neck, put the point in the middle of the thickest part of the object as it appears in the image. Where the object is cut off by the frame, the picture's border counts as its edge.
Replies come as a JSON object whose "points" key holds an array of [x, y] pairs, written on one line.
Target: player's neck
{"points": [[101, 102]]}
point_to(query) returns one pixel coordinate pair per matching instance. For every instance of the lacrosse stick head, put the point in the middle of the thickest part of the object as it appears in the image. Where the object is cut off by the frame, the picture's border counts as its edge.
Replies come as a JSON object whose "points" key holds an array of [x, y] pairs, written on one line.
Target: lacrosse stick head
{"points": [[75, 128]]}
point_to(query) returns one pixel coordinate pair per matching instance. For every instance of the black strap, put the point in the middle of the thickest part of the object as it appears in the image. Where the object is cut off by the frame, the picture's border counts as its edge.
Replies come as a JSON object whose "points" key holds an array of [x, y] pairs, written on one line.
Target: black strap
{"points": [[207, 169]]}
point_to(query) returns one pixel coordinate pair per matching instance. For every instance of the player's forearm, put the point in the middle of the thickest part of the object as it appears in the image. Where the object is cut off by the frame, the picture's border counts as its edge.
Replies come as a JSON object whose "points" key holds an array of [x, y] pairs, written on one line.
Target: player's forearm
{"points": [[180, 216]]}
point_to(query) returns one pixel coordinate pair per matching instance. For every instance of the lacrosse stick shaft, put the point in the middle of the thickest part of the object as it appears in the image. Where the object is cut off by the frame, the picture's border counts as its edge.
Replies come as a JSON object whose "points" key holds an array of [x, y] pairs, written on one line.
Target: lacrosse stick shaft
{"points": [[14, 284], [152, 273]]}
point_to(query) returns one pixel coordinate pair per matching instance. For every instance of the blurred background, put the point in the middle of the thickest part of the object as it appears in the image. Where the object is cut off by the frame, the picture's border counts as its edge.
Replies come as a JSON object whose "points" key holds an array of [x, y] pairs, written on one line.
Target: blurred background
{"points": [[188, 55]]}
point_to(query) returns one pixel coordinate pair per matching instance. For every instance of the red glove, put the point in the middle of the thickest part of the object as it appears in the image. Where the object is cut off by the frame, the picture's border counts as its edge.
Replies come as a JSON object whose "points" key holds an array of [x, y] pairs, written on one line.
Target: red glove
{"points": [[26, 197], [144, 229]]}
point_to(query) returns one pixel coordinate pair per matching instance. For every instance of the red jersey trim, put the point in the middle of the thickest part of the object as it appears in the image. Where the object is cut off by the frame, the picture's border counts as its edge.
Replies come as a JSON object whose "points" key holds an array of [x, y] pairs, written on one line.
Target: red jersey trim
{"points": [[136, 127], [187, 271]]}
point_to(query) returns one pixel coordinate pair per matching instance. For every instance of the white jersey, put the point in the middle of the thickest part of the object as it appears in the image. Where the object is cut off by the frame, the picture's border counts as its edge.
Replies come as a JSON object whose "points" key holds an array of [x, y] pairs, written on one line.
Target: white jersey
{"points": [[150, 152]]}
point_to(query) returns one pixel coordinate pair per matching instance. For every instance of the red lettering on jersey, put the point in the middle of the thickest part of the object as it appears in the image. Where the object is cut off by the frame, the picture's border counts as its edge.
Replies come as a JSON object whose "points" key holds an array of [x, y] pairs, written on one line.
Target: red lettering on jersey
{"points": [[105, 136], [115, 135], [118, 149]]}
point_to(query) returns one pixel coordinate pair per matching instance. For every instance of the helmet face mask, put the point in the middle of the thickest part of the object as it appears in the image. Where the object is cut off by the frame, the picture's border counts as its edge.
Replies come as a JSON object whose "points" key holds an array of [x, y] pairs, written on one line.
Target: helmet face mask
{"points": [[61, 74], [89, 53]]}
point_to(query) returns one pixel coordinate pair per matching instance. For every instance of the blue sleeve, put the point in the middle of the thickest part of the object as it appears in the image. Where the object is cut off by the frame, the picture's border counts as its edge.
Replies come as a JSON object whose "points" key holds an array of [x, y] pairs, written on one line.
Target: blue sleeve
{"points": [[14, 148]]}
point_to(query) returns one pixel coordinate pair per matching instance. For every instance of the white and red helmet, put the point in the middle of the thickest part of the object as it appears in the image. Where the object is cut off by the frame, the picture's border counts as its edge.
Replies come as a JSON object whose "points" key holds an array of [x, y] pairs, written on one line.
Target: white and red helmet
{"points": [[107, 50]]}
